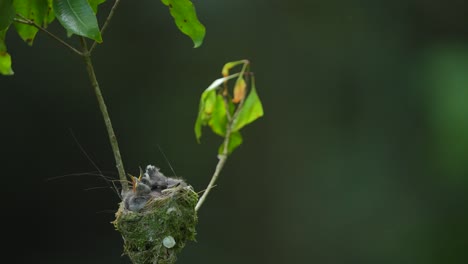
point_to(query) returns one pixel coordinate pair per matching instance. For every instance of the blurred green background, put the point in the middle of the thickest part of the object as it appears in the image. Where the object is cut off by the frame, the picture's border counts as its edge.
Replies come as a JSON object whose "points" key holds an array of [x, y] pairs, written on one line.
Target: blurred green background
{"points": [[361, 157]]}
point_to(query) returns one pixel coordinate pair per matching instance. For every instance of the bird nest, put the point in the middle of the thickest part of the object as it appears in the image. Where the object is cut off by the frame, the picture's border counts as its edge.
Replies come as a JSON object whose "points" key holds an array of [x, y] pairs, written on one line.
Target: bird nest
{"points": [[156, 218]]}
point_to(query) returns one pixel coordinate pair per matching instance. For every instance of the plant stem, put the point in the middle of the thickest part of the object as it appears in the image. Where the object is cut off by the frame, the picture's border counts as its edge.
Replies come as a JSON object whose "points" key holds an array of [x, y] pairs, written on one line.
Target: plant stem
{"points": [[105, 114], [109, 17], [31, 23], [219, 167], [223, 156]]}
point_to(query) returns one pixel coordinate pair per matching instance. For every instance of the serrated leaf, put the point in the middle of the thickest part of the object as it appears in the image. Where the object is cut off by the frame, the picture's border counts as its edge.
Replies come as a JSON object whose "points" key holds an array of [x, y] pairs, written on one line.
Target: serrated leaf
{"points": [[94, 4], [34, 10], [250, 111], [5, 58], [185, 17], [77, 17], [7, 13], [234, 141], [239, 90]]}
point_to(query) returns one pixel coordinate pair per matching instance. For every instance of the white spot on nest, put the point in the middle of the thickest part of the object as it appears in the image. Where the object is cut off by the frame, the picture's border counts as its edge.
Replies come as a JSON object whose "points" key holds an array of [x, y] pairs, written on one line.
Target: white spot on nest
{"points": [[169, 242], [171, 209]]}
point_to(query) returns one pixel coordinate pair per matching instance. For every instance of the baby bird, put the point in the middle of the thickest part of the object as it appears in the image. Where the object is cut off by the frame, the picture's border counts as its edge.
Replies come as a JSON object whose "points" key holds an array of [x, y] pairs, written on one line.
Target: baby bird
{"points": [[147, 185], [155, 178], [136, 198]]}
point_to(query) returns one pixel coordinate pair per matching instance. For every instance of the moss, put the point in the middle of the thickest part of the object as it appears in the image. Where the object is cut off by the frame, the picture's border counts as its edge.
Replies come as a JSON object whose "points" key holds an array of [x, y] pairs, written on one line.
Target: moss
{"points": [[149, 233]]}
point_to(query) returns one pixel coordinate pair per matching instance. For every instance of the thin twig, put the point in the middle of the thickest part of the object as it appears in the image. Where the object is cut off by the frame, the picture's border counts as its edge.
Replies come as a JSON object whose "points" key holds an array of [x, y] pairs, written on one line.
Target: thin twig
{"points": [[109, 17], [105, 114], [219, 167], [26, 21]]}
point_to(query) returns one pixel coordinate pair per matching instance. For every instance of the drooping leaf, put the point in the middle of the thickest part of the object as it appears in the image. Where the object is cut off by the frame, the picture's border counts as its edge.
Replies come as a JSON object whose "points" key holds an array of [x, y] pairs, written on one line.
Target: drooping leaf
{"points": [[185, 17], [250, 111], [228, 66], [94, 4], [77, 17], [234, 141], [34, 10], [207, 104], [5, 59], [218, 119], [7, 13], [239, 90]]}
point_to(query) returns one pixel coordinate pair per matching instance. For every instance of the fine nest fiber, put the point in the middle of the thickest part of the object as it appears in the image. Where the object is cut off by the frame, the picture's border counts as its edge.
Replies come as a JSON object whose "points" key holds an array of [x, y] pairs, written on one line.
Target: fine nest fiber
{"points": [[156, 218]]}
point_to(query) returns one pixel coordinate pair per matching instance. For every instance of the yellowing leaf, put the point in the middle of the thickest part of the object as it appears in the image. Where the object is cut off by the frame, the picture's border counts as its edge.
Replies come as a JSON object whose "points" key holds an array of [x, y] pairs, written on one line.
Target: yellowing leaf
{"points": [[228, 66], [239, 90]]}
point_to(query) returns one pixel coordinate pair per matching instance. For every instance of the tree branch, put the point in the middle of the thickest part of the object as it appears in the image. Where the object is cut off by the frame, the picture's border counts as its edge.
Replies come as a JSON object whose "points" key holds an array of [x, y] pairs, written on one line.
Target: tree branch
{"points": [[105, 114], [26, 21], [109, 17]]}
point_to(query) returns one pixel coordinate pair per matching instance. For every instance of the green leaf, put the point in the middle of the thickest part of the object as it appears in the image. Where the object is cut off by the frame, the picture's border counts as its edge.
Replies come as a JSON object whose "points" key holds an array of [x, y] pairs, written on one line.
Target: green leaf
{"points": [[34, 10], [5, 59], [7, 13], [185, 17], [208, 102], [50, 16], [77, 17], [234, 141], [250, 111], [218, 118], [94, 4], [228, 66]]}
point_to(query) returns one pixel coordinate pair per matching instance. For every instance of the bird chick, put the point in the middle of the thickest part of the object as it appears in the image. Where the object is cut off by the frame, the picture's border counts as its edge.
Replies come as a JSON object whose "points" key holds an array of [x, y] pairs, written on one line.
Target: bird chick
{"points": [[156, 179], [136, 198], [148, 185]]}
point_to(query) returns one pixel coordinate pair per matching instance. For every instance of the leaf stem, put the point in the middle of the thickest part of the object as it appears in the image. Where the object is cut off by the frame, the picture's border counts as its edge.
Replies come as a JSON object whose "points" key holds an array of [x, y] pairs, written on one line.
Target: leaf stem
{"points": [[105, 114], [109, 17], [26, 21]]}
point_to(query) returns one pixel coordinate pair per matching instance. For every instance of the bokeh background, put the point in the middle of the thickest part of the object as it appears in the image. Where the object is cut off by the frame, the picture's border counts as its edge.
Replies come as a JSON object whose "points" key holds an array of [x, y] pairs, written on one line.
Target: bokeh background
{"points": [[361, 157]]}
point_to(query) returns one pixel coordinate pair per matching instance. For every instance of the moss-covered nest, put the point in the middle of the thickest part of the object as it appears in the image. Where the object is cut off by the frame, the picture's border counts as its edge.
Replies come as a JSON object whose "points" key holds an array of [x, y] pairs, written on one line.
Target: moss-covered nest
{"points": [[156, 233]]}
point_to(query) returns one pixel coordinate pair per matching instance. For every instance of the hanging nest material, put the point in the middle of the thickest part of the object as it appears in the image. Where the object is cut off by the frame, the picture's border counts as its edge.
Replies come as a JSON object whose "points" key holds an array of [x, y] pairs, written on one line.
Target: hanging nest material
{"points": [[156, 218]]}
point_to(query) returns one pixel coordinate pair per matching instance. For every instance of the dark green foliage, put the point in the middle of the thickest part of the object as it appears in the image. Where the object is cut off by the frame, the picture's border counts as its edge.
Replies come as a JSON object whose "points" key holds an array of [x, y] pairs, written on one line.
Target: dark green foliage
{"points": [[7, 13], [78, 17]]}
